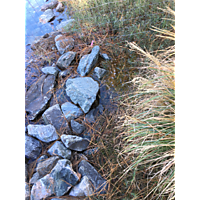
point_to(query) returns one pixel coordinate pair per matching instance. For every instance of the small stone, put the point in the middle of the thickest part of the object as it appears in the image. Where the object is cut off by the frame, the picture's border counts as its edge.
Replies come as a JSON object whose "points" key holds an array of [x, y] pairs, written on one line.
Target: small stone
{"points": [[59, 149], [50, 70], [84, 188], [27, 191], [88, 62], [64, 73], [50, 5], [60, 7], [105, 56], [33, 148], [65, 25], [99, 72], [90, 152], [35, 178], [47, 16], [71, 111], [45, 133], [74, 142], [65, 60], [76, 127]]}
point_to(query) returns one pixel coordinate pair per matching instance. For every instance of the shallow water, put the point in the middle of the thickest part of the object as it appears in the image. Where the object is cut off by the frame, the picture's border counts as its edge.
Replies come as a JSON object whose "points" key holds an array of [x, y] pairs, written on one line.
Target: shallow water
{"points": [[33, 27]]}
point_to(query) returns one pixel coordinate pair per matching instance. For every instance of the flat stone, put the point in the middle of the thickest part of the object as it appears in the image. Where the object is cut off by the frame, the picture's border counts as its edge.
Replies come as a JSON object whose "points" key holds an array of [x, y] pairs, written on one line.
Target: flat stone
{"points": [[64, 44], [47, 16], [99, 183], [88, 62], [50, 5], [65, 60], [47, 165], [38, 96], [33, 148], [50, 70], [84, 188], [82, 91], [45, 133], [74, 142], [71, 111], [59, 149], [76, 127], [54, 116]]}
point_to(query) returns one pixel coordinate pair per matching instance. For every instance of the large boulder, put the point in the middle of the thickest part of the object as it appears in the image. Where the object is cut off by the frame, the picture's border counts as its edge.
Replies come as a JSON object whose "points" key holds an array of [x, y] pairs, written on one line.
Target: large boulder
{"points": [[82, 91], [38, 95], [45, 133], [74, 142], [88, 62]]}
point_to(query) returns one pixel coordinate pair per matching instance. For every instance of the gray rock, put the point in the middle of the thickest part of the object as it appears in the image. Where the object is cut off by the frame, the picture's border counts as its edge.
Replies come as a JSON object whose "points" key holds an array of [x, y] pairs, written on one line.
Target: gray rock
{"points": [[60, 7], [65, 25], [45, 133], [64, 73], [88, 62], [65, 60], [59, 149], [64, 44], [74, 142], [71, 111], [47, 16], [27, 191], [105, 56], [50, 5], [54, 116], [43, 188], [36, 176], [76, 127], [84, 188], [50, 70], [41, 159], [33, 147], [99, 72], [47, 165], [99, 183], [64, 177], [82, 91], [38, 95]]}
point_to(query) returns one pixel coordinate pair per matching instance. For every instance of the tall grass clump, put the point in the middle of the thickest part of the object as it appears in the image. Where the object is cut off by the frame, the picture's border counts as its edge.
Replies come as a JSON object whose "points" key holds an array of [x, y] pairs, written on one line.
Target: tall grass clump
{"points": [[148, 129]]}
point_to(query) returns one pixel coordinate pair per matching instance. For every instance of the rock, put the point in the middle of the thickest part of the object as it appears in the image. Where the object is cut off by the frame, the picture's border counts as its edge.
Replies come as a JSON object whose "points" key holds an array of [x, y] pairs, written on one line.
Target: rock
{"points": [[27, 191], [76, 127], [84, 188], [47, 165], [65, 60], [41, 159], [99, 183], [82, 91], [88, 62], [35, 178], [105, 56], [54, 116], [45, 133], [47, 16], [71, 111], [64, 44], [50, 5], [60, 7], [99, 72], [65, 25], [43, 188], [64, 177], [65, 73], [26, 173], [90, 152], [59, 149], [74, 142], [50, 70], [33, 148], [38, 95]]}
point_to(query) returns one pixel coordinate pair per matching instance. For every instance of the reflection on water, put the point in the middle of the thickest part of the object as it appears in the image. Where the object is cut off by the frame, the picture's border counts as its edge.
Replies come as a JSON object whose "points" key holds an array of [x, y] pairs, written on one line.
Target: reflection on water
{"points": [[33, 27]]}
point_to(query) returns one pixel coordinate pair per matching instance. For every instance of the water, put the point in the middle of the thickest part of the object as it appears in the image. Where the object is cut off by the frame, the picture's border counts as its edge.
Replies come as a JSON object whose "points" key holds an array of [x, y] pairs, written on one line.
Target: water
{"points": [[33, 27]]}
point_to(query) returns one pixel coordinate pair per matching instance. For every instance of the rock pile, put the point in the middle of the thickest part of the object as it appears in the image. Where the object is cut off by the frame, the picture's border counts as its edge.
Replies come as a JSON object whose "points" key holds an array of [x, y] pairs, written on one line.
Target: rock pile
{"points": [[54, 174]]}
